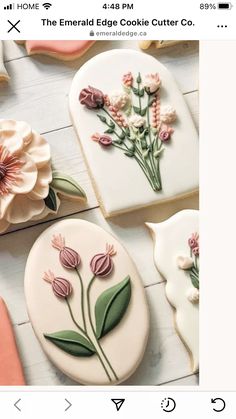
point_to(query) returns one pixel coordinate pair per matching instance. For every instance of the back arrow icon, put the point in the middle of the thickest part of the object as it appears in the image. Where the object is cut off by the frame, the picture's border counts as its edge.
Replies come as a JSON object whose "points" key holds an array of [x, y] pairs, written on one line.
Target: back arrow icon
{"points": [[16, 403], [222, 403], [69, 405]]}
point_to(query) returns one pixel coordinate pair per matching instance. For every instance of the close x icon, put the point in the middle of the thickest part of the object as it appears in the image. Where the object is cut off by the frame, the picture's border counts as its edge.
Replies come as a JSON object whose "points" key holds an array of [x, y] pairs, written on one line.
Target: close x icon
{"points": [[14, 26]]}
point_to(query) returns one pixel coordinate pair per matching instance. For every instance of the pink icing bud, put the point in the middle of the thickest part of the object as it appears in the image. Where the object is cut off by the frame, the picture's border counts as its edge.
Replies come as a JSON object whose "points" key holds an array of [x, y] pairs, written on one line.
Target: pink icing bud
{"points": [[102, 264], [92, 98], [95, 137], [69, 258], [193, 243], [105, 140], [61, 287]]}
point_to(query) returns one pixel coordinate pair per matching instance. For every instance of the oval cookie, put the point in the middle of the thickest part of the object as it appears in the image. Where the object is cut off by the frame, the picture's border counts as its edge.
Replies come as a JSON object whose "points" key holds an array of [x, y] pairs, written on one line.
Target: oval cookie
{"points": [[85, 300]]}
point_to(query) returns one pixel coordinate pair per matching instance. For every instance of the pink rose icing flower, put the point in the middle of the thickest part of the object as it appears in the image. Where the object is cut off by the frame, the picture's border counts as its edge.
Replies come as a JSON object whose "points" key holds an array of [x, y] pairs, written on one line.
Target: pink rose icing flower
{"points": [[25, 173], [102, 264], [61, 287], [128, 79], [152, 83], [69, 258], [92, 98], [165, 133]]}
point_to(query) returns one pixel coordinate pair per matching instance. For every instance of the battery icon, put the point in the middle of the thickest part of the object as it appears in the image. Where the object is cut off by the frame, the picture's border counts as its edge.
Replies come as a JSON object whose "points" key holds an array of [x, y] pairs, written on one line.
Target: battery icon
{"points": [[225, 6]]}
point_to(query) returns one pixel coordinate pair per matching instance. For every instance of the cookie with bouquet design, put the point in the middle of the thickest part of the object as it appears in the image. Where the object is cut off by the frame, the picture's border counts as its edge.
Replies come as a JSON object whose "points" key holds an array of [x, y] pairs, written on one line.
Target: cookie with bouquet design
{"points": [[86, 303], [136, 132], [176, 255]]}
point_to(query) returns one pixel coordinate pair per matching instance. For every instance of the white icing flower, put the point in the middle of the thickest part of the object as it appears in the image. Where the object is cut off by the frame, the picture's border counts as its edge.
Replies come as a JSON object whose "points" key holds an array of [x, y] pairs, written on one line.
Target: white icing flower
{"points": [[119, 99], [152, 82], [168, 114], [193, 295], [184, 262], [137, 121]]}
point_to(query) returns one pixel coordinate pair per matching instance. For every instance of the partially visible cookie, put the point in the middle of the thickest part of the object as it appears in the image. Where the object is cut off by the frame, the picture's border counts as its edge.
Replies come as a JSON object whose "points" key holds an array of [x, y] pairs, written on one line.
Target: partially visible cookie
{"points": [[11, 372], [158, 44], [176, 255], [3, 72], [62, 50]]}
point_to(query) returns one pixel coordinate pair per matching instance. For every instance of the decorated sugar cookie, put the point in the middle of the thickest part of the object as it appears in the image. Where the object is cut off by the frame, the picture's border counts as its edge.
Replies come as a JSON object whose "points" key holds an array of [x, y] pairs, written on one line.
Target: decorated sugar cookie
{"points": [[3, 72], [11, 372], [29, 188], [158, 44], [135, 129], [86, 303], [63, 50], [176, 256]]}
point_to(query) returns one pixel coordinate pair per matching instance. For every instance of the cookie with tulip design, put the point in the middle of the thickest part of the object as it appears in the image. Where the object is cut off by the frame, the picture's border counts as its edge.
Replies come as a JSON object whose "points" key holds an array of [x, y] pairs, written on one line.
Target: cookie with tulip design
{"points": [[176, 255], [62, 50], [86, 303], [137, 134]]}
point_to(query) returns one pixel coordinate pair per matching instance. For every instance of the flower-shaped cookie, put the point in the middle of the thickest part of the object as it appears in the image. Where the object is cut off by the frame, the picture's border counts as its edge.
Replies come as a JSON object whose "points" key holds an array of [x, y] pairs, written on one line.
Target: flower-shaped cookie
{"points": [[25, 173]]}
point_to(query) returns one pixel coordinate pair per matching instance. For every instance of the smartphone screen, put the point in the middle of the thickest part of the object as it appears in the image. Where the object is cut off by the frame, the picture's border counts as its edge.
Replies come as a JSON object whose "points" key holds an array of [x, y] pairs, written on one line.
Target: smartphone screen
{"points": [[117, 209]]}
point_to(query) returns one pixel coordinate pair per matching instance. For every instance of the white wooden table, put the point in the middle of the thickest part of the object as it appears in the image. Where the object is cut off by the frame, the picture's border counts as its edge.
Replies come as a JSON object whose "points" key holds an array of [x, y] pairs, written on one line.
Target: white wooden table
{"points": [[38, 93]]}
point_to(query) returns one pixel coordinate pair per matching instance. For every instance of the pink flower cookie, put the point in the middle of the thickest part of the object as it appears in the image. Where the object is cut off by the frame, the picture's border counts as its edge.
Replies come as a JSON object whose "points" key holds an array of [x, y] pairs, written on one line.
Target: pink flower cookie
{"points": [[62, 50]]}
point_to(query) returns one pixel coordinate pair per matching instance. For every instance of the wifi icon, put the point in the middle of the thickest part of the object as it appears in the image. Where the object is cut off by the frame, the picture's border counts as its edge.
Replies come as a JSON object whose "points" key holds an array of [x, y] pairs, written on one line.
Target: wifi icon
{"points": [[47, 5]]}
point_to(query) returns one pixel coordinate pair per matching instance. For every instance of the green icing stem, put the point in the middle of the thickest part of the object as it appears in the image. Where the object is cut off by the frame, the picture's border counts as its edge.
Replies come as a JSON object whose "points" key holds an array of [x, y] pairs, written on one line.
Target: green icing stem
{"points": [[92, 326]]}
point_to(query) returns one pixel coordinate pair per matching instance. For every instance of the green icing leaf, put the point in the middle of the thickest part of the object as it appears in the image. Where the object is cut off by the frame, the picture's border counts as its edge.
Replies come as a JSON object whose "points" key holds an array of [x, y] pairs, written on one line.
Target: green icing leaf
{"points": [[111, 124], [102, 118], [143, 112], [51, 200], [194, 280], [66, 185], [129, 153], [111, 307], [141, 92], [136, 110], [71, 342], [109, 131], [122, 135], [135, 90]]}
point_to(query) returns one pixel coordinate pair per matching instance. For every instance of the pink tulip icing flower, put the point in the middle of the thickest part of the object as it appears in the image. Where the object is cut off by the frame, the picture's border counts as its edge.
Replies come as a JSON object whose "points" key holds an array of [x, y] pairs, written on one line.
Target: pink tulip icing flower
{"points": [[194, 243], [61, 287], [102, 139], [101, 264], [69, 258], [92, 98]]}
